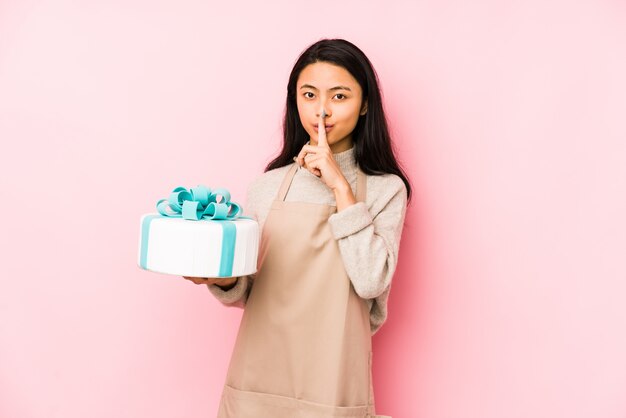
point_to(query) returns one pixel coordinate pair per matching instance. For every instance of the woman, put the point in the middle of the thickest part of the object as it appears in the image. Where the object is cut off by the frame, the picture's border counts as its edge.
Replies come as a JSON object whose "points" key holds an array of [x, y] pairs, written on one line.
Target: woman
{"points": [[331, 208]]}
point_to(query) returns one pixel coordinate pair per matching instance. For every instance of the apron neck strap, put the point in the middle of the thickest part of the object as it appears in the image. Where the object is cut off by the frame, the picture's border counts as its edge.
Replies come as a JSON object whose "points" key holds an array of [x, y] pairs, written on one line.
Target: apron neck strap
{"points": [[282, 192], [361, 192]]}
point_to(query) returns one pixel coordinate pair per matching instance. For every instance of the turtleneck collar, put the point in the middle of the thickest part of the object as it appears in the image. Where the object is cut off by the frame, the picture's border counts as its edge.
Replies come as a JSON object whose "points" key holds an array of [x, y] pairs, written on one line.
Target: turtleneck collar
{"points": [[346, 160]]}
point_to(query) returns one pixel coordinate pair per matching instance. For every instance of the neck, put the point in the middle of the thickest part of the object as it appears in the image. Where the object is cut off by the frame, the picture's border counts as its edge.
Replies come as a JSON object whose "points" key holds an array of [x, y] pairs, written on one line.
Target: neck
{"points": [[346, 160]]}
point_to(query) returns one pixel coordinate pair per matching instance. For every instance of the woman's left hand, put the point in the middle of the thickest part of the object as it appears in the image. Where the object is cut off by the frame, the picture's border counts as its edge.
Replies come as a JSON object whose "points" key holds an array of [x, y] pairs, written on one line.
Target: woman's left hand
{"points": [[318, 159]]}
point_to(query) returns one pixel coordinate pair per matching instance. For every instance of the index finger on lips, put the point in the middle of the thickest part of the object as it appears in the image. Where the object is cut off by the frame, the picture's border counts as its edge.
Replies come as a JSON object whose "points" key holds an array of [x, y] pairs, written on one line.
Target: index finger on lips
{"points": [[321, 130]]}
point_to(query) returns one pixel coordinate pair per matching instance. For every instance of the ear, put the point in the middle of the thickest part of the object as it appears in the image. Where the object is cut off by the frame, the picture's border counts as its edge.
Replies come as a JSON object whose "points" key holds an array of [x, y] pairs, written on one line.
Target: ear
{"points": [[363, 108]]}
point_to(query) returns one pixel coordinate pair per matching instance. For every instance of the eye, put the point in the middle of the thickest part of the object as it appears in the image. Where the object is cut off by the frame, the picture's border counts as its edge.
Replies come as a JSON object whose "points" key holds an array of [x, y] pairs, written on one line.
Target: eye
{"points": [[305, 94], [339, 94]]}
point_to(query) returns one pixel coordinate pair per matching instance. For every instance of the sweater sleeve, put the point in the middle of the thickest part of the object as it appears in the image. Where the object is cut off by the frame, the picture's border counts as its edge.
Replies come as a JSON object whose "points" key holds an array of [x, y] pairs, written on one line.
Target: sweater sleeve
{"points": [[369, 239], [237, 296]]}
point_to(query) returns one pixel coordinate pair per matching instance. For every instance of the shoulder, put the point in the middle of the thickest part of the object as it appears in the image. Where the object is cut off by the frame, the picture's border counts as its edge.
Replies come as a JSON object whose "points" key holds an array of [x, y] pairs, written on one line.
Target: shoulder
{"points": [[267, 183], [385, 187]]}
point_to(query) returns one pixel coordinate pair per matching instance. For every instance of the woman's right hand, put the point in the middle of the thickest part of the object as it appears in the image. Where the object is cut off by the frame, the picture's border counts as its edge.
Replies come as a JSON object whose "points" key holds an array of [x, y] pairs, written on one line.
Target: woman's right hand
{"points": [[221, 281]]}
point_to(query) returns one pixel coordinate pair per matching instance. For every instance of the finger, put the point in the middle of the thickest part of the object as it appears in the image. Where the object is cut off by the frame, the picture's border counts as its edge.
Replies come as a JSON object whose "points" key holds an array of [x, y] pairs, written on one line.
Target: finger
{"points": [[310, 158], [307, 149], [300, 157], [299, 161], [313, 163], [322, 141], [196, 280]]}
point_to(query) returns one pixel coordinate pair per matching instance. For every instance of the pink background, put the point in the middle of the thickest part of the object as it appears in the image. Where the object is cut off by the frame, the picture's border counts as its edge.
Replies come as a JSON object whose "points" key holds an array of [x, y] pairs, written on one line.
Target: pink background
{"points": [[509, 117]]}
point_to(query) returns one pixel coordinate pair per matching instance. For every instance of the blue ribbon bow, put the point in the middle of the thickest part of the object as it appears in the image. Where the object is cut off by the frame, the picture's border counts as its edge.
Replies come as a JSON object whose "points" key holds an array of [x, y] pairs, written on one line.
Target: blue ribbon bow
{"points": [[198, 203]]}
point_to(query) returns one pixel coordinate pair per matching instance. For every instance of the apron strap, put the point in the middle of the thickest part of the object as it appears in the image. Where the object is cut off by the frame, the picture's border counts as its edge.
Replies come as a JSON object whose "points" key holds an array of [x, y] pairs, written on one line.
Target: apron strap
{"points": [[361, 181], [282, 192]]}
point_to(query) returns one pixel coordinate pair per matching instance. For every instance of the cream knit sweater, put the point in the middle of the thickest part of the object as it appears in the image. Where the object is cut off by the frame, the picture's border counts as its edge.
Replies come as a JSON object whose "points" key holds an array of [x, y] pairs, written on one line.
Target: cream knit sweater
{"points": [[368, 233]]}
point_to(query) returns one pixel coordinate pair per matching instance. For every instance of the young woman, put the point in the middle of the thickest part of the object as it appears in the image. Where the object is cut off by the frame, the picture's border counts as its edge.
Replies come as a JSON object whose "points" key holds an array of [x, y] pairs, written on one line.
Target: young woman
{"points": [[331, 208]]}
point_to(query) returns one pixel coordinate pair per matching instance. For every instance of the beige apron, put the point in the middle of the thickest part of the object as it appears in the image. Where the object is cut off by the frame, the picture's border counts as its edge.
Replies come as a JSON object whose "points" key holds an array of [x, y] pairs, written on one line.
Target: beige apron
{"points": [[304, 344]]}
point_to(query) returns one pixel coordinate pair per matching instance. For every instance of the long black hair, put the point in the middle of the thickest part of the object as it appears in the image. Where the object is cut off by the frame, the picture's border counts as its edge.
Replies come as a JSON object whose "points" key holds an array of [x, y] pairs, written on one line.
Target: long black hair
{"points": [[373, 148]]}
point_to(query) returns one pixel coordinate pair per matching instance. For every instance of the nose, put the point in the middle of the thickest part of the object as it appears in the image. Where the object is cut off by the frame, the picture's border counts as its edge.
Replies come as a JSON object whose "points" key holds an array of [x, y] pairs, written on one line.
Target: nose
{"points": [[323, 113]]}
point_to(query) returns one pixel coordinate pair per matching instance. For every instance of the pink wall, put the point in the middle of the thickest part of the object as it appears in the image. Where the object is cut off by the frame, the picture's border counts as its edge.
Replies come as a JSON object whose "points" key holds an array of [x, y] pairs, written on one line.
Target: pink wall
{"points": [[509, 297]]}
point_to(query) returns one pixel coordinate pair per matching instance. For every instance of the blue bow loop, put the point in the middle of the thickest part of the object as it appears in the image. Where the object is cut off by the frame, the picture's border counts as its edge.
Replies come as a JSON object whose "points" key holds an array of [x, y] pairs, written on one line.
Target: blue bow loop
{"points": [[199, 203]]}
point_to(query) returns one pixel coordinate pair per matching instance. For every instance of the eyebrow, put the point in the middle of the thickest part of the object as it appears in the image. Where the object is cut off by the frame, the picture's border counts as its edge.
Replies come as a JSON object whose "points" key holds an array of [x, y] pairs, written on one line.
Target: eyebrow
{"points": [[331, 89]]}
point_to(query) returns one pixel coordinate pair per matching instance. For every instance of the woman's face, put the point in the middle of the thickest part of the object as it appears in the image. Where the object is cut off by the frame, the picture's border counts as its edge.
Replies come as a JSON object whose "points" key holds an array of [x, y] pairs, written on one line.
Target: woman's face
{"points": [[322, 85]]}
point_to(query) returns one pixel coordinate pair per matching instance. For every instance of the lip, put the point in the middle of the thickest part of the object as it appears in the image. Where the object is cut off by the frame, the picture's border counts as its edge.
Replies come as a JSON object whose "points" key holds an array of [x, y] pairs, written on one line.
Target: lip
{"points": [[328, 127]]}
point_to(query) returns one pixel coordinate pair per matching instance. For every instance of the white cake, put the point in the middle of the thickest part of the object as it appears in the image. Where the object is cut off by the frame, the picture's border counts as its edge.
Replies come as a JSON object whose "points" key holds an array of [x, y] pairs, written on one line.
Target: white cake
{"points": [[198, 248], [198, 232]]}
